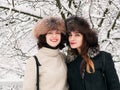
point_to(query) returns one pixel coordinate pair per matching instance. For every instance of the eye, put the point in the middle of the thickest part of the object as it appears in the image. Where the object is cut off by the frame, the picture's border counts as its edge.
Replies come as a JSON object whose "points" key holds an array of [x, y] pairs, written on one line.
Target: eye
{"points": [[58, 32], [77, 34], [49, 32], [69, 34]]}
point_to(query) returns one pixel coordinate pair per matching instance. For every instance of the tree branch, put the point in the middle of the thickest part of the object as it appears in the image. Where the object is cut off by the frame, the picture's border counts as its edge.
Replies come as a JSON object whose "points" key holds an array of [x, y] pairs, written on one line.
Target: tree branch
{"points": [[89, 13], [113, 25], [22, 12], [105, 12], [58, 4]]}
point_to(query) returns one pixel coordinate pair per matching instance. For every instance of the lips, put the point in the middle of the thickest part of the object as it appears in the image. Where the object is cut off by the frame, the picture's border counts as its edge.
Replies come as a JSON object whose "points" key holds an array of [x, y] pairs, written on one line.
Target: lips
{"points": [[53, 40], [72, 43]]}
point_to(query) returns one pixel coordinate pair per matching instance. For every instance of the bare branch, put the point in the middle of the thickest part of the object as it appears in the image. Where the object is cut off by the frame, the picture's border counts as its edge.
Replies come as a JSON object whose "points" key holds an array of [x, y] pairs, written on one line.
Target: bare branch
{"points": [[90, 12], [101, 21], [113, 25], [78, 7], [118, 15], [58, 4], [22, 12], [13, 3]]}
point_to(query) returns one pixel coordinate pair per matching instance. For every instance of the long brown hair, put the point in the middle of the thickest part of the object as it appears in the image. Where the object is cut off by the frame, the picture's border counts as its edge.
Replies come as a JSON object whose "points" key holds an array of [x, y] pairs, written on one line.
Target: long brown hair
{"points": [[90, 39]]}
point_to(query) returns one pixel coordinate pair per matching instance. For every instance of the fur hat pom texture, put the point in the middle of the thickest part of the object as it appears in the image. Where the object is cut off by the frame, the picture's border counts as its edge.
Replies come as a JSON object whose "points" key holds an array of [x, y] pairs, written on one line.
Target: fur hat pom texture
{"points": [[48, 23]]}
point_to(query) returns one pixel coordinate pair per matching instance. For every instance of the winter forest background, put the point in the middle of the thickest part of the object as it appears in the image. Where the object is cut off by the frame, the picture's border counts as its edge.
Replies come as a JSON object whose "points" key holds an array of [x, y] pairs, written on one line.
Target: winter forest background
{"points": [[17, 18]]}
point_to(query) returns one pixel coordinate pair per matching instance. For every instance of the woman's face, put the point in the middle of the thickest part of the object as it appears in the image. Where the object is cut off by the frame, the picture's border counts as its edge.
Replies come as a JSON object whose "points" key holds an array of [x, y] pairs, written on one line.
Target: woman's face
{"points": [[75, 40], [53, 38]]}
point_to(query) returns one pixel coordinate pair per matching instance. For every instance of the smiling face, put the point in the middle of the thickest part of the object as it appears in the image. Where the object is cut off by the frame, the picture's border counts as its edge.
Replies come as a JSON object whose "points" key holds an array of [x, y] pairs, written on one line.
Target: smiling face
{"points": [[53, 38], [75, 40]]}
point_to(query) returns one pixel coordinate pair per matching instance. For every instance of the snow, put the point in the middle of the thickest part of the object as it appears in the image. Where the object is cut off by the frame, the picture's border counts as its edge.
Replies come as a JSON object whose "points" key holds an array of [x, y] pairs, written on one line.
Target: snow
{"points": [[117, 65], [17, 42]]}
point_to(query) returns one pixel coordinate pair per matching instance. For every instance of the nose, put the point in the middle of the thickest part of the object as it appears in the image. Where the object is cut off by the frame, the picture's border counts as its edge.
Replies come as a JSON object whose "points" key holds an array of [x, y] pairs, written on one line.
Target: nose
{"points": [[54, 35]]}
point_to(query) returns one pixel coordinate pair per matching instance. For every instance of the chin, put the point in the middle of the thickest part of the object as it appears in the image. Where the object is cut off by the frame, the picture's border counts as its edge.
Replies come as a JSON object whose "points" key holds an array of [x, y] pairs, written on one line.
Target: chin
{"points": [[54, 46], [73, 47]]}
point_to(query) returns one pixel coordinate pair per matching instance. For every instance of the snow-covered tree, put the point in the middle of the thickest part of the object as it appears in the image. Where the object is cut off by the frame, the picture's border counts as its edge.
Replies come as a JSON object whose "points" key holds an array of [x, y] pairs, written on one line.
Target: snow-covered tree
{"points": [[17, 18]]}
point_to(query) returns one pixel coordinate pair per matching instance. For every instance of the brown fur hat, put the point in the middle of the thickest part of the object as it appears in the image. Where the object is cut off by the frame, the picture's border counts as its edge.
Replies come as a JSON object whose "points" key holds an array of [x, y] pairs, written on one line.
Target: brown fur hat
{"points": [[49, 23]]}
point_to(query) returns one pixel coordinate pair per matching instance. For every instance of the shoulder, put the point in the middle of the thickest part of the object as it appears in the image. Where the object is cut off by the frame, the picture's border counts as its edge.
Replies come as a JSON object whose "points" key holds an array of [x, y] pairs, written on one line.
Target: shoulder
{"points": [[107, 57], [74, 61], [62, 54], [70, 58], [103, 55], [106, 54], [30, 64], [30, 61]]}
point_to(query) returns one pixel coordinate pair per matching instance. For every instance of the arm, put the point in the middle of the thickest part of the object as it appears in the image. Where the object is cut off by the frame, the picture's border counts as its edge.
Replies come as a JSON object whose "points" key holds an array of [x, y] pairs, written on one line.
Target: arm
{"points": [[29, 82], [111, 76]]}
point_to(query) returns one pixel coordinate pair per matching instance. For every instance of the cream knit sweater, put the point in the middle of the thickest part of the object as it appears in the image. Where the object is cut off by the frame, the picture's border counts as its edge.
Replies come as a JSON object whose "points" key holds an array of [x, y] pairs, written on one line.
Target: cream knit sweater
{"points": [[53, 71]]}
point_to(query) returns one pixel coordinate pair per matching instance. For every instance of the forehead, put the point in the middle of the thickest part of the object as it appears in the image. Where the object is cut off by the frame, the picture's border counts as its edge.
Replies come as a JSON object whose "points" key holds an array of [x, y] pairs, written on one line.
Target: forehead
{"points": [[53, 30], [75, 31]]}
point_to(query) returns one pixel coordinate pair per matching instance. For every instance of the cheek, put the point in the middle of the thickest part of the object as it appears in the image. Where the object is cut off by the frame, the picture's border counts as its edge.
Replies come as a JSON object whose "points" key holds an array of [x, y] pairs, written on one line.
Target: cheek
{"points": [[81, 41], [46, 37], [59, 37], [69, 39]]}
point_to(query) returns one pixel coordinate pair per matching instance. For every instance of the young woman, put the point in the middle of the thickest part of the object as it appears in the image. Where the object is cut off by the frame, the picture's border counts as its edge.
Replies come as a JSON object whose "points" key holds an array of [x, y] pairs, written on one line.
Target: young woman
{"points": [[50, 34], [89, 69]]}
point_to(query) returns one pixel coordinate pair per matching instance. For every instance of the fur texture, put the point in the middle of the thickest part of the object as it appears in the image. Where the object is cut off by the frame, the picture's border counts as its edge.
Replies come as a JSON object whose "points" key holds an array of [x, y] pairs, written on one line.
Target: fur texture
{"points": [[49, 23]]}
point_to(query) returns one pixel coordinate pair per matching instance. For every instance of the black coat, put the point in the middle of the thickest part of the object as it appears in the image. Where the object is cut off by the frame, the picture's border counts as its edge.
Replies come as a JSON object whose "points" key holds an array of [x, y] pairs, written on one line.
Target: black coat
{"points": [[93, 81]]}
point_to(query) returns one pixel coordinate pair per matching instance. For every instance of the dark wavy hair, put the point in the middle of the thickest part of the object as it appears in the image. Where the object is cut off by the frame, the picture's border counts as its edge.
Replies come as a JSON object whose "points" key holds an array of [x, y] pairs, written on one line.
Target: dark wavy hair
{"points": [[42, 41], [90, 39]]}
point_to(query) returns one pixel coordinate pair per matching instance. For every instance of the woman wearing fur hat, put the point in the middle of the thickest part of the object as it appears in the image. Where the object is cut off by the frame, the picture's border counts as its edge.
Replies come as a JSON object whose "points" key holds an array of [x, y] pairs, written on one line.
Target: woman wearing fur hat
{"points": [[50, 33], [89, 69]]}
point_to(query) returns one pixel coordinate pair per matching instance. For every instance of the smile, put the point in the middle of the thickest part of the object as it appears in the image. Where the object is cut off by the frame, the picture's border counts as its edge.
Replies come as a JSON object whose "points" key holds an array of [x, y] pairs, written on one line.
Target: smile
{"points": [[72, 43], [53, 40]]}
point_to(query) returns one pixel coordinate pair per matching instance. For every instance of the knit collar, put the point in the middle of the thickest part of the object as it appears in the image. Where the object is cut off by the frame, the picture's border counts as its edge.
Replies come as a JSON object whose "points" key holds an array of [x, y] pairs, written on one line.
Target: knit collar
{"points": [[49, 51], [48, 46]]}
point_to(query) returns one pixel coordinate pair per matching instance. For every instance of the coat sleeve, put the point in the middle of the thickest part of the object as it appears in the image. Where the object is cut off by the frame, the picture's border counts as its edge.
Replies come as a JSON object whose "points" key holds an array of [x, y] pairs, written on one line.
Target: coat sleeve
{"points": [[111, 76], [29, 82]]}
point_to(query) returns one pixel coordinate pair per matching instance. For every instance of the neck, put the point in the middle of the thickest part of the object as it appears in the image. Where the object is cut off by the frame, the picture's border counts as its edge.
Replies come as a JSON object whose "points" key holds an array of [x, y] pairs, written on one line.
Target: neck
{"points": [[79, 50], [48, 46], [49, 52]]}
